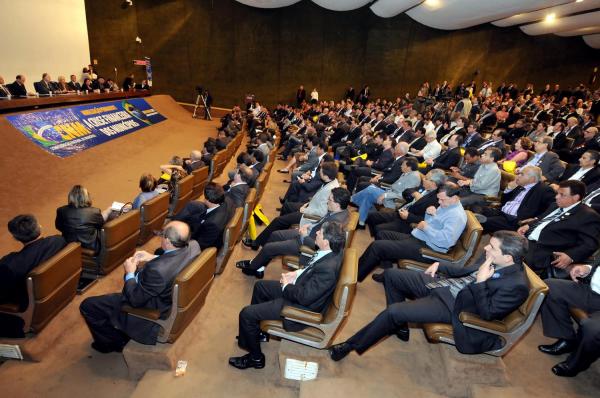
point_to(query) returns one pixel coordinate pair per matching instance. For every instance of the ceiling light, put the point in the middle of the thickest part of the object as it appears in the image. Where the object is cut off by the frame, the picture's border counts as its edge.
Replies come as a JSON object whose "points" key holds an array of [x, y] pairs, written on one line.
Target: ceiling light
{"points": [[578, 1], [432, 3], [550, 18]]}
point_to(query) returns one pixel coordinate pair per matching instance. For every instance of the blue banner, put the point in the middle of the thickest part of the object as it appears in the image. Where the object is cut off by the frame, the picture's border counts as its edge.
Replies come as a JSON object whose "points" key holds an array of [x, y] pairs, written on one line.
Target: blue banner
{"points": [[67, 131]]}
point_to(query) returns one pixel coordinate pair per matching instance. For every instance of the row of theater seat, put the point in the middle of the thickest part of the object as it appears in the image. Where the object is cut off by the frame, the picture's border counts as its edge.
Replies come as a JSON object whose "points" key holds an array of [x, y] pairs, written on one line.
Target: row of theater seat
{"points": [[53, 284]]}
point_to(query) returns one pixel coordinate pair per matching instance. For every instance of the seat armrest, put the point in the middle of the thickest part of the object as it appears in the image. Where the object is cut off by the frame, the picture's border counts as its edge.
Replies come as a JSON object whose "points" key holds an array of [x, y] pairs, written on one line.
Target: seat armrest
{"points": [[492, 198], [9, 308], [428, 253], [413, 265], [311, 217], [306, 251], [474, 321], [145, 313], [304, 316], [384, 185]]}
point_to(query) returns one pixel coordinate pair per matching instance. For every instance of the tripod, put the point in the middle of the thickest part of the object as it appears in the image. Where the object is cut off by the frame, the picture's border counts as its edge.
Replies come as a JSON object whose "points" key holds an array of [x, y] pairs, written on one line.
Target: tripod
{"points": [[203, 98]]}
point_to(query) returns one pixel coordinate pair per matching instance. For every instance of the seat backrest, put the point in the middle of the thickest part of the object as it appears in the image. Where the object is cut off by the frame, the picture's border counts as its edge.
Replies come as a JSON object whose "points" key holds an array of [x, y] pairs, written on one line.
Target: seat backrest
{"points": [[347, 279], [471, 235], [152, 215], [55, 284], [231, 235], [260, 184], [249, 205], [351, 227], [536, 287], [505, 178], [200, 181], [118, 239], [193, 283], [185, 185]]}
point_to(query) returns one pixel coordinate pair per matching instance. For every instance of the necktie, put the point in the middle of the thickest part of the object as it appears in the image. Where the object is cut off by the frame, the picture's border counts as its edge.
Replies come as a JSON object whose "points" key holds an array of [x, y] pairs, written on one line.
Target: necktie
{"points": [[455, 284], [548, 219]]}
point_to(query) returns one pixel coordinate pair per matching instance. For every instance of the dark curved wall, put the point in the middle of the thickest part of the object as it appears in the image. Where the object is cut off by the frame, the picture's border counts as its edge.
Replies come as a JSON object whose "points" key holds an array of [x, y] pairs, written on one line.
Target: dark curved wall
{"points": [[234, 49]]}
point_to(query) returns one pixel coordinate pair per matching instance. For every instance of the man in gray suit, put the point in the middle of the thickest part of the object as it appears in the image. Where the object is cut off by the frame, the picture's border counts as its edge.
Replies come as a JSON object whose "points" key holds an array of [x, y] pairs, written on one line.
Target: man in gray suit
{"points": [[288, 241], [486, 181], [149, 288], [549, 162]]}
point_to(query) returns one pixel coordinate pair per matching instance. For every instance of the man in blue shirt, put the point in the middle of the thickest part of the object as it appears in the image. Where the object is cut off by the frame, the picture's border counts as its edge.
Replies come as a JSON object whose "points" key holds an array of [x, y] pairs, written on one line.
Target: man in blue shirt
{"points": [[440, 230]]}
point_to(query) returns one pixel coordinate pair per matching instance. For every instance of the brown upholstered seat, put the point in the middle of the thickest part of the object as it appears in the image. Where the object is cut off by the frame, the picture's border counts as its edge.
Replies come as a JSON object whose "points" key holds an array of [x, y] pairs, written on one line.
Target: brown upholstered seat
{"points": [[261, 182], [190, 289], [118, 240], [321, 328], [200, 181], [50, 287], [293, 261], [231, 236], [578, 314], [510, 329], [152, 215], [463, 249], [248, 207], [183, 193]]}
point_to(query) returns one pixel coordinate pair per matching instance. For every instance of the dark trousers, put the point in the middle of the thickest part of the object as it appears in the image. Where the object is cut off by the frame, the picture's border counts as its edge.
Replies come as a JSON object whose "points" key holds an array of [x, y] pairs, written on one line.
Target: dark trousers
{"points": [[290, 207], [386, 221], [266, 304], [11, 326], [279, 223], [97, 312], [400, 285], [385, 250], [280, 243], [557, 323], [540, 257], [497, 220], [354, 176]]}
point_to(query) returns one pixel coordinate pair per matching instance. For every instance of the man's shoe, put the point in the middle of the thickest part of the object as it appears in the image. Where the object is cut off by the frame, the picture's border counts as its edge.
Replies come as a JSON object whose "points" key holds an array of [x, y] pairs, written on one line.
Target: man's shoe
{"points": [[105, 349], [262, 337], [403, 333], [361, 226], [283, 171], [564, 370], [377, 277], [246, 361], [252, 272], [249, 243], [339, 351], [243, 264], [281, 200], [561, 346]]}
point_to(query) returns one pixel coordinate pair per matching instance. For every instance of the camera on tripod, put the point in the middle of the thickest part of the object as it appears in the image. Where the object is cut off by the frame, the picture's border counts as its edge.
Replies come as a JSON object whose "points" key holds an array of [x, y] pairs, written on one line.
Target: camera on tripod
{"points": [[202, 97]]}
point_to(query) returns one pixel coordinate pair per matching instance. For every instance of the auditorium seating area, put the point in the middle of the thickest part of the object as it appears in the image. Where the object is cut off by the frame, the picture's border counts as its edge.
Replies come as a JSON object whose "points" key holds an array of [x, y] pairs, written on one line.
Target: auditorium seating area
{"points": [[209, 293]]}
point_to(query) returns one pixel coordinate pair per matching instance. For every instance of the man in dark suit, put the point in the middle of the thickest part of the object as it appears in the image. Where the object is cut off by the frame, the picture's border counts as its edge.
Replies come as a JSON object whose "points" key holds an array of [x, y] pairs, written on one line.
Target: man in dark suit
{"points": [[548, 161], [4, 91], [590, 142], [17, 88], [450, 157], [208, 219], [491, 288], [44, 86], [237, 191], [310, 289], [149, 288], [383, 161], [390, 174], [99, 84], [582, 292], [526, 197], [488, 118], [473, 138], [74, 85], [515, 133], [15, 266], [300, 96], [587, 171], [288, 241], [496, 141], [563, 234]]}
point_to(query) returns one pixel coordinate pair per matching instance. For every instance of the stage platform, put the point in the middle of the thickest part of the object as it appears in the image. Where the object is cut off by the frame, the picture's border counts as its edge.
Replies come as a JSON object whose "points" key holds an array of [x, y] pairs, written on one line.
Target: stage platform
{"points": [[37, 182]]}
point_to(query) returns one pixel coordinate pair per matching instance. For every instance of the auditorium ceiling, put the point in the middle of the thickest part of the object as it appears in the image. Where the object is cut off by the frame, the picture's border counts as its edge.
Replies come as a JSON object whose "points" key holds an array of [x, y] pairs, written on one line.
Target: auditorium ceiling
{"points": [[534, 17]]}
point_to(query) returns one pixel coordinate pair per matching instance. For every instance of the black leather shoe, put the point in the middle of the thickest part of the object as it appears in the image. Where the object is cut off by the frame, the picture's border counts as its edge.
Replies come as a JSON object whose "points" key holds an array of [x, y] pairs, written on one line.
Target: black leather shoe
{"points": [[281, 200], [403, 333], [339, 351], [252, 272], [564, 370], [377, 277], [561, 346], [249, 243], [361, 226], [105, 349], [246, 361], [282, 171], [243, 264]]}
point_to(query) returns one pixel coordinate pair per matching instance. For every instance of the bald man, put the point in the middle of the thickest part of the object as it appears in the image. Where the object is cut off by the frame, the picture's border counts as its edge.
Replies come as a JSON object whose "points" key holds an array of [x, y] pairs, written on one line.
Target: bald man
{"points": [[4, 91], [149, 287]]}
